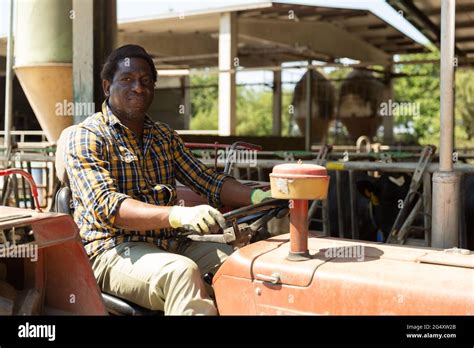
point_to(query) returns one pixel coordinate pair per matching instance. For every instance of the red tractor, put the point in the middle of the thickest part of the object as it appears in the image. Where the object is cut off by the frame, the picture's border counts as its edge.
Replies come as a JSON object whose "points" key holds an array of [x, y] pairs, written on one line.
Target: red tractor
{"points": [[301, 272]]}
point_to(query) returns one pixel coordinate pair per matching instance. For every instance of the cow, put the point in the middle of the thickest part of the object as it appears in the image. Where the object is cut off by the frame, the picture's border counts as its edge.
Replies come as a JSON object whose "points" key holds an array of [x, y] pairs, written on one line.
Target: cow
{"points": [[384, 198], [360, 98], [322, 101], [376, 204], [385, 194], [363, 222]]}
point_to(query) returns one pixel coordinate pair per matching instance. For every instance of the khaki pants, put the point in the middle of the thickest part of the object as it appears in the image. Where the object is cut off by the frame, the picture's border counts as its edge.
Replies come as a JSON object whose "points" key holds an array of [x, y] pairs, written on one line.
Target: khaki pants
{"points": [[156, 279]]}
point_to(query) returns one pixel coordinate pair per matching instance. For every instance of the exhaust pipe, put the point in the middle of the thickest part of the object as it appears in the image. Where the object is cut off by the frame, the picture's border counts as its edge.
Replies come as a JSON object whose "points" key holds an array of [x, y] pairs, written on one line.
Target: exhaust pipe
{"points": [[299, 183]]}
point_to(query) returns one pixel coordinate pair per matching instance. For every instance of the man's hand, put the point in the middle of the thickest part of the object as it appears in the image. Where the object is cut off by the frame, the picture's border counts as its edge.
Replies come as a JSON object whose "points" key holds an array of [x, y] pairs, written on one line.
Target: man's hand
{"points": [[200, 218], [259, 196]]}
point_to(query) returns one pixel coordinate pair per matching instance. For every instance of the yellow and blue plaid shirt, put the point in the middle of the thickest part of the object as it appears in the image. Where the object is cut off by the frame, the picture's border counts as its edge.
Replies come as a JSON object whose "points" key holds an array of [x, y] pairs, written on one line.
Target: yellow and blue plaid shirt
{"points": [[106, 165]]}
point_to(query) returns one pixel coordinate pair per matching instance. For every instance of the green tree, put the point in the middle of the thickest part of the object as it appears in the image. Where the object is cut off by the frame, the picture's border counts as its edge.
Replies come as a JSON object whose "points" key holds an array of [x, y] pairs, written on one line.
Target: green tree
{"points": [[254, 113], [465, 107], [420, 85], [204, 106], [417, 83], [254, 107], [425, 90]]}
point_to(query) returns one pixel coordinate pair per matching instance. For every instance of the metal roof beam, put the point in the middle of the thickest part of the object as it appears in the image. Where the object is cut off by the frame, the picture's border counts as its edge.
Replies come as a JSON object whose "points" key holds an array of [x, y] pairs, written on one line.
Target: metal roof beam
{"points": [[460, 8], [465, 24], [421, 16], [318, 36], [172, 44], [366, 27]]}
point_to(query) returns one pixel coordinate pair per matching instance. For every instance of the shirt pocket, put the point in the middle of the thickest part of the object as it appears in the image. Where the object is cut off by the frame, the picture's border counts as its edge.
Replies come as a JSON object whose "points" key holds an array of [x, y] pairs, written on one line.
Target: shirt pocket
{"points": [[122, 154], [121, 157], [126, 155]]}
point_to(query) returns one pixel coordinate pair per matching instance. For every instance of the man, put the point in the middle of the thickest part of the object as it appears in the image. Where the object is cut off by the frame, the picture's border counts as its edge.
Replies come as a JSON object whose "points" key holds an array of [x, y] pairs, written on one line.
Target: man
{"points": [[122, 169]]}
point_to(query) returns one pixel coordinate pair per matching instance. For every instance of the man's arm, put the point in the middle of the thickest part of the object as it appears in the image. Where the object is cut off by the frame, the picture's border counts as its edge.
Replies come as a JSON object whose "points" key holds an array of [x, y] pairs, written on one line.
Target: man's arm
{"points": [[136, 215], [93, 185], [235, 194], [219, 188], [140, 216]]}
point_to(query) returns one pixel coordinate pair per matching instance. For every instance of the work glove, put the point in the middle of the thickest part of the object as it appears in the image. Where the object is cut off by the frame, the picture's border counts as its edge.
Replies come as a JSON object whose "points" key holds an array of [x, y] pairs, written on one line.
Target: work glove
{"points": [[201, 218], [258, 196]]}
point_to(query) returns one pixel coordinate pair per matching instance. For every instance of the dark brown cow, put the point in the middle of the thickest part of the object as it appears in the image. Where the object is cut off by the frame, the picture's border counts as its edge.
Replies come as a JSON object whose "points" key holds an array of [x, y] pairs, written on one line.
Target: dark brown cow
{"points": [[360, 98], [323, 103]]}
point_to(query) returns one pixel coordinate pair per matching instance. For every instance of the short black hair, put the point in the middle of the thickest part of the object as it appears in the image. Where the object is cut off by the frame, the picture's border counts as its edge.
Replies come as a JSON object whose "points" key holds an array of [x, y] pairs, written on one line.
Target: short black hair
{"points": [[126, 51]]}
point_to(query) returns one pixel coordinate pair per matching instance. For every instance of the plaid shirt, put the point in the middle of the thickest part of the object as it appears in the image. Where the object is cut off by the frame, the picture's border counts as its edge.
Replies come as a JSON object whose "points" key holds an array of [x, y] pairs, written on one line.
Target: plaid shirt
{"points": [[106, 165]]}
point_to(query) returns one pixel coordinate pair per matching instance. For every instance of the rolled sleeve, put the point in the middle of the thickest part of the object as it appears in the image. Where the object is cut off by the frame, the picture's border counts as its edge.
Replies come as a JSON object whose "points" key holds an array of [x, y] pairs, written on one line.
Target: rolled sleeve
{"points": [[194, 174], [90, 179]]}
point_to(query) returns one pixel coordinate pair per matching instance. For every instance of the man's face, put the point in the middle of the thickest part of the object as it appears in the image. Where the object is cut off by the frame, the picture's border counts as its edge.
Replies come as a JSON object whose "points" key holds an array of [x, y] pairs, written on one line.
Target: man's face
{"points": [[131, 91]]}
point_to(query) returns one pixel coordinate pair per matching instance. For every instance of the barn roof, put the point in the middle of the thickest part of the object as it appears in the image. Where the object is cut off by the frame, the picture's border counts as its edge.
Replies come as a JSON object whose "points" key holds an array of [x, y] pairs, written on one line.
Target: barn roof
{"points": [[425, 15], [270, 32]]}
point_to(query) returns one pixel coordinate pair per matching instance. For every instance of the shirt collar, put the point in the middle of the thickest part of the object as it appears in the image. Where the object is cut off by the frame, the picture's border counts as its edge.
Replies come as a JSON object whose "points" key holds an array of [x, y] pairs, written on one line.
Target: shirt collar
{"points": [[109, 116], [112, 120]]}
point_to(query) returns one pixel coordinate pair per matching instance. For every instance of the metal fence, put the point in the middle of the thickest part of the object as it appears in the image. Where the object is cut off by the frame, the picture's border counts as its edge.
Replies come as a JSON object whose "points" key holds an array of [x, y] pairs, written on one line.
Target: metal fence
{"points": [[265, 165], [37, 158], [39, 161]]}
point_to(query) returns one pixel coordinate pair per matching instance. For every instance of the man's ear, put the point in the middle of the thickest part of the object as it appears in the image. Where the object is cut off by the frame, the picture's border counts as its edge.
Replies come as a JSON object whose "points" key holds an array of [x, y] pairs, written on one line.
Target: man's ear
{"points": [[369, 190], [106, 88]]}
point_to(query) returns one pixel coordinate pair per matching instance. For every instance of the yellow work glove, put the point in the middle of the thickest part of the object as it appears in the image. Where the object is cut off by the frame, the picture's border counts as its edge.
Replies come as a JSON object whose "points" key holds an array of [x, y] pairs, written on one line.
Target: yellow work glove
{"points": [[200, 218], [258, 196]]}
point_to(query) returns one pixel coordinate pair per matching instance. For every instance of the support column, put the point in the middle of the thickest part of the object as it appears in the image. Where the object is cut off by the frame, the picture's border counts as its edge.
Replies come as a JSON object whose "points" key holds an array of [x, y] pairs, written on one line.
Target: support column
{"points": [[94, 37], [388, 120], [7, 141], [276, 125], [227, 62], [82, 56], [186, 83], [105, 40], [445, 219], [309, 110]]}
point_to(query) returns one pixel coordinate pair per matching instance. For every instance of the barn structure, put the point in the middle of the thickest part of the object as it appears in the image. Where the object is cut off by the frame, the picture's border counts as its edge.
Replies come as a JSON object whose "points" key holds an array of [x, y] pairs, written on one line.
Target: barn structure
{"points": [[261, 35], [52, 82]]}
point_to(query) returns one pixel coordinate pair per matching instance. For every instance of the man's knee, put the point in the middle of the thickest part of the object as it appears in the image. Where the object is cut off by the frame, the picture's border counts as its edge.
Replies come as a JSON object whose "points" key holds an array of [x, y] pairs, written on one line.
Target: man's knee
{"points": [[182, 270], [185, 266], [177, 288]]}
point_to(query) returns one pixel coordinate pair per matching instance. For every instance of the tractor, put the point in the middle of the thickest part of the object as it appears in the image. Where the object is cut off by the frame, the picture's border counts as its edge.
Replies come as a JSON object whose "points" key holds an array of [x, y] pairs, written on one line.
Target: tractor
{"points": [[301, 273]]}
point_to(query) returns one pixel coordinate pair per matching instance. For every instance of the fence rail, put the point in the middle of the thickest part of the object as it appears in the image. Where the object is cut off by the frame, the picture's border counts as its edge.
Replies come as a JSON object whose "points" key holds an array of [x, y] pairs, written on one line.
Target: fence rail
{"points": [[42, 164]]}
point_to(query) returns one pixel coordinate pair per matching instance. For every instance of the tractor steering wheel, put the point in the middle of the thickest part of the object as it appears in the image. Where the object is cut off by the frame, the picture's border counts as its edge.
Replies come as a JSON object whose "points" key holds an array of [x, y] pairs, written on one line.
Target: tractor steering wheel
{"points": [[253, 212], [247, 224]]}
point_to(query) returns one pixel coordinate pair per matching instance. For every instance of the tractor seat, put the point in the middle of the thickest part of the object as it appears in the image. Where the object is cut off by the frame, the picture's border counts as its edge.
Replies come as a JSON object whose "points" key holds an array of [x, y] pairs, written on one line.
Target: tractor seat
{"points": [[118, 306], [114, 305], [62, 204]]}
